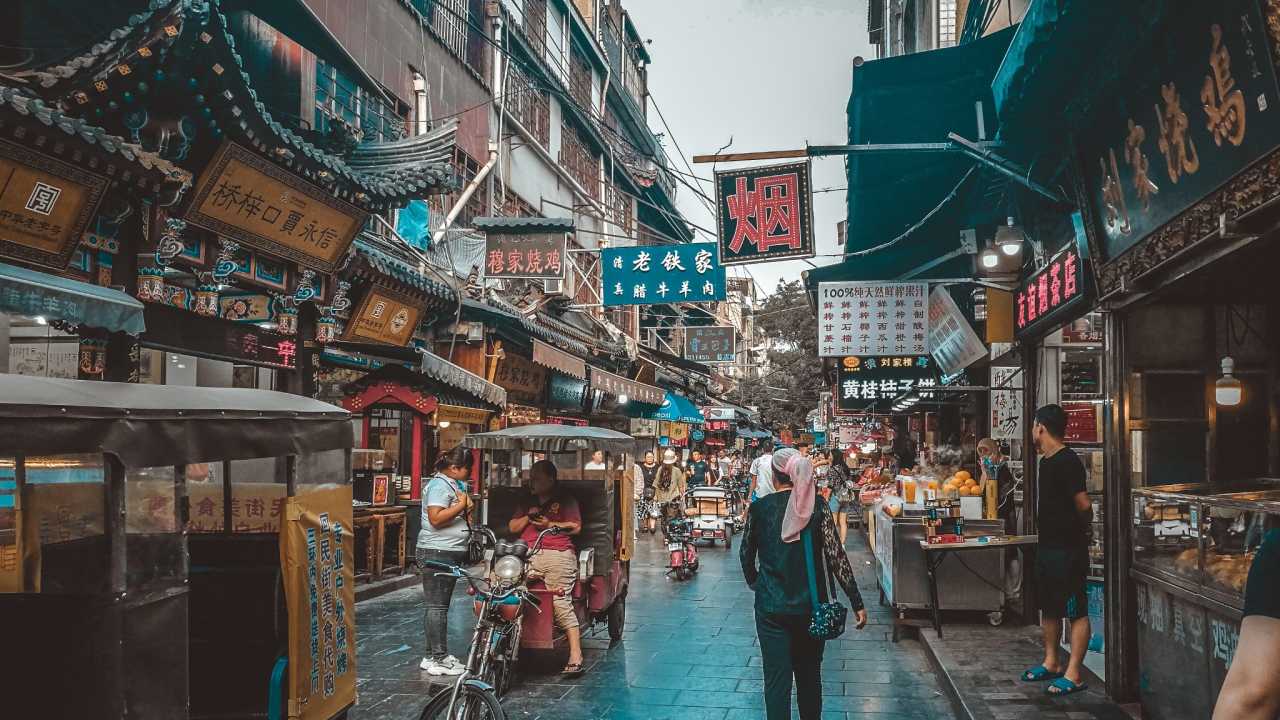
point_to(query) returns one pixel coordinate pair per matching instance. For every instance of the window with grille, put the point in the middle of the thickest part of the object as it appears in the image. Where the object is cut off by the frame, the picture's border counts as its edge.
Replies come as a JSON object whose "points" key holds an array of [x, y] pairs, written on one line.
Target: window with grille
{"points": [[457, 24], [580, 80], [578, 159], [946, 23], [339, 98], [535, 26], [528, 104]]}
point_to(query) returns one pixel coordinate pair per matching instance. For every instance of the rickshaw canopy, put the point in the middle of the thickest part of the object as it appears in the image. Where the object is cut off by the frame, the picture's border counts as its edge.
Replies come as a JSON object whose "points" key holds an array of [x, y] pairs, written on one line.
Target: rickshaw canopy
{"points": [[552, 439], [155, 425]]}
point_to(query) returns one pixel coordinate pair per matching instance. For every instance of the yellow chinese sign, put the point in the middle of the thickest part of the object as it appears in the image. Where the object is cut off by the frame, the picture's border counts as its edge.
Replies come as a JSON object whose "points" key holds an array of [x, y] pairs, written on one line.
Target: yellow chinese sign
{"points": [[244, 197], [317, 553], [45, 205], [460, 414], [384, 317]]}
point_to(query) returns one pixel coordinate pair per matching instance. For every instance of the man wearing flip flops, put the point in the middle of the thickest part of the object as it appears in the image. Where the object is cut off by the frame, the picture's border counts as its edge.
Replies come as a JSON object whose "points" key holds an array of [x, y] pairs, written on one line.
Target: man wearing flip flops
{"points": [[1064, 517]]}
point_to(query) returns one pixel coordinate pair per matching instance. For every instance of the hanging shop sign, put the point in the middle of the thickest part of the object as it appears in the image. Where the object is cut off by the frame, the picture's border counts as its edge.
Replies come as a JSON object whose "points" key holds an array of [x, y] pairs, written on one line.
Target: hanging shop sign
{"points": [[713, 344], [549, 357], [539, 256], [952, 341], [619, 386], [1052, 295], [172, 329], [719, 413], [458, 414], [384, 316], [1083, 422], [522, 415], [873, 382], [872, 318], [45, 206], [562, 420], [523, 380], [717, 425], [697, 435], [566, 393], [244, 197], [1193, 112], [644, 428], [678, 432], [764, 213], [651, 275], [1006, 403]]}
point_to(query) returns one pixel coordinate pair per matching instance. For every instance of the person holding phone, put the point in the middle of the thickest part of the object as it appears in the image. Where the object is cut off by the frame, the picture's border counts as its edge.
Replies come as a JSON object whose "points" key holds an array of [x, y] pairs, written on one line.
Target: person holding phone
{"points": [[443, 538]]}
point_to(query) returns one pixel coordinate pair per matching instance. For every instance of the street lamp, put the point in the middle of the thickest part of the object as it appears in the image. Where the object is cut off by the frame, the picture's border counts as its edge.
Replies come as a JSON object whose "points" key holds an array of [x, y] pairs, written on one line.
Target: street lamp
{"points": [[989, 258], [623, 399], [1009, 239]]}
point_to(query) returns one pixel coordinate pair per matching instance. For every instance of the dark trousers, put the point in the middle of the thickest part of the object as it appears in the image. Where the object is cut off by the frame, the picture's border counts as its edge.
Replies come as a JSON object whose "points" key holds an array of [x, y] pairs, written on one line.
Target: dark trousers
{"points": [[436, 594], [790, 653]]}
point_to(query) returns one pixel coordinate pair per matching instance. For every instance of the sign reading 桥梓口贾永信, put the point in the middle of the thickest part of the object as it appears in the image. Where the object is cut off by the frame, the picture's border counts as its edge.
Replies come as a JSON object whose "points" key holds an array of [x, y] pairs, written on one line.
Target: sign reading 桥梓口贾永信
{"points": [[45, 206], [656, 274], [764, 213], [873, 318], [538, 256], [952, 340], [710, 344]]}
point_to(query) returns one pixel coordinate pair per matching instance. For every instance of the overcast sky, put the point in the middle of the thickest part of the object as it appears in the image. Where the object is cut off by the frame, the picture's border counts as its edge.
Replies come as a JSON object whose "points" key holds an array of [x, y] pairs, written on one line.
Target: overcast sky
{"points": [[771, 75]]}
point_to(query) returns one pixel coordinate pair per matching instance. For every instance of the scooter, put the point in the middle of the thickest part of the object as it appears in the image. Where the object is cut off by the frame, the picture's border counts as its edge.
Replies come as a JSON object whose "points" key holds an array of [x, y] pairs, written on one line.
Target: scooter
{"points": [[684, 556]]}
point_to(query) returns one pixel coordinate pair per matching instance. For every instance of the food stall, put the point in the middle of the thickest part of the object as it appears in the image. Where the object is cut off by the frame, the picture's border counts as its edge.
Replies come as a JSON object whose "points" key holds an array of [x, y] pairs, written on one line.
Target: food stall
{"points": [[1193, 545]]}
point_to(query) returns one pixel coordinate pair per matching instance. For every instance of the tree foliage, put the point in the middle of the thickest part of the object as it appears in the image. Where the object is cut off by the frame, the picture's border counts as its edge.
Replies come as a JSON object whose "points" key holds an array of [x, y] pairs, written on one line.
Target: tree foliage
{"points": [[793, 380]]}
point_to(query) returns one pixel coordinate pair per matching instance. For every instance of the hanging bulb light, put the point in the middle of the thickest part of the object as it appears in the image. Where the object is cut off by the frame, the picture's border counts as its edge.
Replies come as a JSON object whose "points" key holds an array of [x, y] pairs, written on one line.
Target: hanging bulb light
{"points": [[989, 258], [1009, 239], [1228, 391]]}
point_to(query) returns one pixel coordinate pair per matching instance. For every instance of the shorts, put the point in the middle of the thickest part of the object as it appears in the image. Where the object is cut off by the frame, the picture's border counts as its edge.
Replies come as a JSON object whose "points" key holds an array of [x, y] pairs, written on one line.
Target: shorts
{"points": [[559, 570], [1060, 582]]}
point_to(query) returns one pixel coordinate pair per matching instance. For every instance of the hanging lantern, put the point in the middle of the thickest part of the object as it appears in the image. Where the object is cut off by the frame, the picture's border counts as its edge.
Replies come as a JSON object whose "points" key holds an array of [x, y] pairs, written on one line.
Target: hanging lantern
{"points": [[327, 330], [206, 300], [151, 284], [287, 321]]}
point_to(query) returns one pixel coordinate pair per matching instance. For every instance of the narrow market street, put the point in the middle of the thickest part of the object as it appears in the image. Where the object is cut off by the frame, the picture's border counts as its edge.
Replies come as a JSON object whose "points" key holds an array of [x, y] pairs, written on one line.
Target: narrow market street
{"points": [[690, 652]]}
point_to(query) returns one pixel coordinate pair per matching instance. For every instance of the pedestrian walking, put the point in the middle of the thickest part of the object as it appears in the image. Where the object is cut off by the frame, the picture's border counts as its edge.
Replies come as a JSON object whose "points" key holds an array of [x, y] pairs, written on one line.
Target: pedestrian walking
{"points": [[1064, 517], [443, 538], [645, 474], [1252, 688], [843, 493], [762, 472], [669, 485], [789, 550]]}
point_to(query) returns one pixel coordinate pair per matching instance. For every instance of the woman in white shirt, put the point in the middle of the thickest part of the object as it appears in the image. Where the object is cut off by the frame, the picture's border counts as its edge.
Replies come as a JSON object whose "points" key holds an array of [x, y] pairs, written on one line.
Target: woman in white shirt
{"points": [[443, 538]]}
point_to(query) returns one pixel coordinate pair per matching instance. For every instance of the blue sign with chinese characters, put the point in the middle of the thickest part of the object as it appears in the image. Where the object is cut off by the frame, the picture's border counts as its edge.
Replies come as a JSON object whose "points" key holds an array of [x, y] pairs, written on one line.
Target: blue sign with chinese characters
{"points": [[658, 274]]}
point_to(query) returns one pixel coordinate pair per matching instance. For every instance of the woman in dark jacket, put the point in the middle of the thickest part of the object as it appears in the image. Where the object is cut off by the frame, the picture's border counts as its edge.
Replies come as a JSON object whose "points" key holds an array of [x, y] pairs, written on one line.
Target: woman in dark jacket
{"points": [[773, 563]]}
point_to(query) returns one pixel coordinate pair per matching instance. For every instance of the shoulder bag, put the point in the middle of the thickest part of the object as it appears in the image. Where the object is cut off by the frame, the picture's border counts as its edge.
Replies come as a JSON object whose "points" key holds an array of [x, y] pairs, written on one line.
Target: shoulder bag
{"points": [[827, 621]]}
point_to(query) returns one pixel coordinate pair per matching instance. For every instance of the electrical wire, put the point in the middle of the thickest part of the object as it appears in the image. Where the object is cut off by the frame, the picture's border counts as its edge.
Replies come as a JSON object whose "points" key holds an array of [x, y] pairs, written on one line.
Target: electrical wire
{"points": [[919, 223]]}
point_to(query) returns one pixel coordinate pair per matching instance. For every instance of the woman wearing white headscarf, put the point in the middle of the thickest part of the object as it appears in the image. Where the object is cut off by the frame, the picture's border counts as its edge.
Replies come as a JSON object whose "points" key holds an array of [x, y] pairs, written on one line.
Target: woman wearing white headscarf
{"points": [[773, 563]]}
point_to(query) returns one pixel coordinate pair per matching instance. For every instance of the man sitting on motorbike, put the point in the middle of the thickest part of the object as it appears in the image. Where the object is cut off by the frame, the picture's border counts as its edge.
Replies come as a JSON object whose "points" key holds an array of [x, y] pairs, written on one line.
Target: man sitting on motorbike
{"points": [[557, 562]]}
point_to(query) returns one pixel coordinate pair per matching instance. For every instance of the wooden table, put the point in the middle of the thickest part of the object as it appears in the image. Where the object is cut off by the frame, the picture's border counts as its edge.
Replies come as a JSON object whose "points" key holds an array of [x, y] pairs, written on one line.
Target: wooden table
{"points": [[935, 553], [382, 556]]}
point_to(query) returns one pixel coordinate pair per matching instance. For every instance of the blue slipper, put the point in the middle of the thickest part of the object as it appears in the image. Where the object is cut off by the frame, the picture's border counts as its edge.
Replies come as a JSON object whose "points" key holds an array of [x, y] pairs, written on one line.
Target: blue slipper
{"points": [[1040, 673], [1062, 686]]}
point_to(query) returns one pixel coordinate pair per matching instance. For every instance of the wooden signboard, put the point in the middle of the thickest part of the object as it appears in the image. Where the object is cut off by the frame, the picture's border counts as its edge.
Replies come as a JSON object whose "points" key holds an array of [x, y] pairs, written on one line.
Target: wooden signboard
{"points": [[242, 196], [460, 414], [45, 206], [385, 317]]}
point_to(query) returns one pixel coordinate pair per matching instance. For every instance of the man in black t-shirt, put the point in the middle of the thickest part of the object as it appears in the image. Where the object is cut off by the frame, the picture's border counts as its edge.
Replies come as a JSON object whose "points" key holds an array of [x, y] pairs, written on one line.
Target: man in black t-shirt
{"points": [[698, 470], [1064, 516], [1252, 688]]}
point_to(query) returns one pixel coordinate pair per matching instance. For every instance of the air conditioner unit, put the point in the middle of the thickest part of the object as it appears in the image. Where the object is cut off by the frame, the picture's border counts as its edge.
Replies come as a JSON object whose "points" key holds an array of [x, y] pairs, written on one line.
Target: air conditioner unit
{"points": [[566, 287]]}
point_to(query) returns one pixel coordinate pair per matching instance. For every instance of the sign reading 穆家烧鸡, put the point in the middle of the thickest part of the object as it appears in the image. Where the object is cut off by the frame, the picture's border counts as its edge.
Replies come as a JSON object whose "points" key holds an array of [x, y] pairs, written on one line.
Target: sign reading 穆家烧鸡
{"points": [[872, 318], [710, 344], [764, 213], [873, 382], [45, 206], [651, 275], [533, 256], [242, 196]]}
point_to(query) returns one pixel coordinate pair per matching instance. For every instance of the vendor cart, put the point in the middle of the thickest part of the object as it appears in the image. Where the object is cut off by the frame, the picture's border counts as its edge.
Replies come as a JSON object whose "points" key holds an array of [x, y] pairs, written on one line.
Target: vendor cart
{"points": [[174, 552]]}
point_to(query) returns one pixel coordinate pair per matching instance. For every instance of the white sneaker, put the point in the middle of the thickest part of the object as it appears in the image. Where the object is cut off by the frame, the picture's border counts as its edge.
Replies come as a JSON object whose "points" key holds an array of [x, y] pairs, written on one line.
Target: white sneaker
{"points": [[440, 668], [452, 661]]}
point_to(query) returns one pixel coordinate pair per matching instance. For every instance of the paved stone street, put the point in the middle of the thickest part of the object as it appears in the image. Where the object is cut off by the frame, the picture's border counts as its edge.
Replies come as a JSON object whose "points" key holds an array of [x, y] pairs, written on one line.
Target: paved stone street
{"points": [[690, 652]]}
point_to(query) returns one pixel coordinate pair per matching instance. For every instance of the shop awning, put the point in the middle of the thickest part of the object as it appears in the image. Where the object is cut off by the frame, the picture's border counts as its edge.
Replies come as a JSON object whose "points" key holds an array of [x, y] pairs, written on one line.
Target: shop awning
{"points": [[441, 370], [27, 292], [677, 408], [619, 386], [549, 357]]}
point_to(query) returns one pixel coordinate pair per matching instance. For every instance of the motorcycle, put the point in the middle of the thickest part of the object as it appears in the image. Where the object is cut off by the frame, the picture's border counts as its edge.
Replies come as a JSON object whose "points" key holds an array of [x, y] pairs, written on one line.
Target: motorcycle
{"points": [[684, 555], [495, 643]]}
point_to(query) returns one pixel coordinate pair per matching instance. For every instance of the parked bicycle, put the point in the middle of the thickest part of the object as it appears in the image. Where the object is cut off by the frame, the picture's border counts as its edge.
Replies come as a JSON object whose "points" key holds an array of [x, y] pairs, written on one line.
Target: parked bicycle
{"points": [[495, 643]]}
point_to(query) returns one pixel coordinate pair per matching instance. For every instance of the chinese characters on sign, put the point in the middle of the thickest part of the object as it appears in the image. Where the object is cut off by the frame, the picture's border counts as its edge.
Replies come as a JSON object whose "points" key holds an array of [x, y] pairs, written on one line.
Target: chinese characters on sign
{"points": [[1057, 286], [872, 318], [715, 344], [384, 317], [523, 380], [45, 205], [536, 257], [617, 385], [764, 213], [872, 382], [244, 197], [656, 274], [1006, 403], [952, 340]]}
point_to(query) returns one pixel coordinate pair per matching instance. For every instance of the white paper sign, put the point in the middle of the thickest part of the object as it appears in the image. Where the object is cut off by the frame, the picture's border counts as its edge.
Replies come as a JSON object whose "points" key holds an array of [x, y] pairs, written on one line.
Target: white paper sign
{"points": [[952, 341], [1006, 403], [872, 318]]}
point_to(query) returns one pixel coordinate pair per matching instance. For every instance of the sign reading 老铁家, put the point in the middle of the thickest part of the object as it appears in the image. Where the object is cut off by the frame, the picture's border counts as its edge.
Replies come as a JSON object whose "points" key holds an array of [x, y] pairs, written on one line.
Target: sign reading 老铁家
{"points": [[873, 382], [244, 197], [45, 205], [538, 256], [711, 344], [1050, 296], [764, 213], [873, 318], [384, 316], [650, 275]]}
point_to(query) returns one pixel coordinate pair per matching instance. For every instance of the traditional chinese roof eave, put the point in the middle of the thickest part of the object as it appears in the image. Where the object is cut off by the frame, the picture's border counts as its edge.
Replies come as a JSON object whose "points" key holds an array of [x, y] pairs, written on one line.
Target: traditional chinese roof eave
{"points": [[375, 261], [496, 311], [523, 225], [423, 382]]}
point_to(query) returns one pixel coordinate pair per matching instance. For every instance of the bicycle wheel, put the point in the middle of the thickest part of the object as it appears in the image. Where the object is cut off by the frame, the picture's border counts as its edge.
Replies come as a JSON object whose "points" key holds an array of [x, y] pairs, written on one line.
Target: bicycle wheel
{"points": [[473, 704]]}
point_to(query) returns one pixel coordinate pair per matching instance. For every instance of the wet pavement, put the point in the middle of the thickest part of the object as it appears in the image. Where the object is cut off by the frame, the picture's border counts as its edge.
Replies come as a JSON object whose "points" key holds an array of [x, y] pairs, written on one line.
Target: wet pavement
{"points": [[689, 652]]}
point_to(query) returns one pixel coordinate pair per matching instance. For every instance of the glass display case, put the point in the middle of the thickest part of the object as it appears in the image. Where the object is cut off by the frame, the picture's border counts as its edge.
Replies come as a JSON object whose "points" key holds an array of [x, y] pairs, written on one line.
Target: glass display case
{"points": [[1203, 538]]}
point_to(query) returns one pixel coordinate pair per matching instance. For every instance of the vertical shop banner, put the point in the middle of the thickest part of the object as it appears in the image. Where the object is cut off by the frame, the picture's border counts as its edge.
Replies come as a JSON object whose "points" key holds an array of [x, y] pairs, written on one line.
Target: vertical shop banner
{"points": [[713, 344], [952, 340], [764, 213], [651, 275], [529, 256], [317, 552], [872, 318], [1006, 403]]}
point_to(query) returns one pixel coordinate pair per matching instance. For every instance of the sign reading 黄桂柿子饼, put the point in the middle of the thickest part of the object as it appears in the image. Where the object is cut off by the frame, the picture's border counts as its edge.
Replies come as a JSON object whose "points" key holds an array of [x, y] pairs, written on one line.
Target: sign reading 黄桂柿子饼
{"points": [[873, 318], [710, 344], [865, 383], [764, 213], [655, 274]]}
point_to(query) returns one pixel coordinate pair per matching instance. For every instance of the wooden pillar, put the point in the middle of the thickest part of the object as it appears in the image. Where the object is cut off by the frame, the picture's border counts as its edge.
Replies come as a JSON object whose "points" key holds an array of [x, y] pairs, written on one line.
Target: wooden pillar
{"points": [[364, 430], [415, 491]]}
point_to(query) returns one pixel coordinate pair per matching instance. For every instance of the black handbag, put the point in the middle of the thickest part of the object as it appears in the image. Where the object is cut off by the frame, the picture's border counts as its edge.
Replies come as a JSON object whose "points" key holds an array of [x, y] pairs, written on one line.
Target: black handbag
{"points": [[828, 619]]}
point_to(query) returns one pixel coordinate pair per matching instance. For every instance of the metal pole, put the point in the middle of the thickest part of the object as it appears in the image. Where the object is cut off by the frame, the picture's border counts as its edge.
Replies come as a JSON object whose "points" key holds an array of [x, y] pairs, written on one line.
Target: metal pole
{"points": [[115, 525]]}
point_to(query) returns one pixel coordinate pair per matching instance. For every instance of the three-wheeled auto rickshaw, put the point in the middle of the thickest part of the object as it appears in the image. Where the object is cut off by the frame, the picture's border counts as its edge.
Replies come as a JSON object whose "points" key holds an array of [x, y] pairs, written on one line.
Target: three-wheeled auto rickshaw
{"points": [[174, 552], [604, 497]]}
